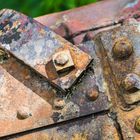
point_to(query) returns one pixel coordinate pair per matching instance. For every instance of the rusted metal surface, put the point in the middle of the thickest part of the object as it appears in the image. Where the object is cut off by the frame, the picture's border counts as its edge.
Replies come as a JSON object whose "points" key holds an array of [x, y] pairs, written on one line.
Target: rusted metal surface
{"points": [[71, 22], [73, 104], [93, 15], [110, 84], [94, 81], [122, 47], [127, 122], [84, 129], [36, 45], [16, 99]]}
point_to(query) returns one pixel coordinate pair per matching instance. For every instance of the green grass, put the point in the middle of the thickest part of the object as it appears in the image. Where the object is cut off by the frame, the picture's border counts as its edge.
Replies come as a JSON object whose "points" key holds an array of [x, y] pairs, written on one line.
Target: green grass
{"points": [[36, 8]]}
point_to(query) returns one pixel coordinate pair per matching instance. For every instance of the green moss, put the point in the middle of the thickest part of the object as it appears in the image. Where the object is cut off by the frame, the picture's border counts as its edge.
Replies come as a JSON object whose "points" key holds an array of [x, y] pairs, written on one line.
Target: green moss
{"points": [[36, 8]]}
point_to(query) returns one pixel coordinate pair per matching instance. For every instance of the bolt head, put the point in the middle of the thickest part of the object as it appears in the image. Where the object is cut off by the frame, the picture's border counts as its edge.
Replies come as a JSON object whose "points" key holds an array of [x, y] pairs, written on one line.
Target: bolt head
{"points": [[122, 48], [92, 94], [137, 125], [59, 103], [131, 81], [61, 59], [23, 113]]}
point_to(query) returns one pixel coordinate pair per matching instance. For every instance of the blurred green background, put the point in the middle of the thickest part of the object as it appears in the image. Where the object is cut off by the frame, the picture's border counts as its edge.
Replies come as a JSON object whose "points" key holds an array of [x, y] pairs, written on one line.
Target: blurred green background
{"points": [[36, 8]]}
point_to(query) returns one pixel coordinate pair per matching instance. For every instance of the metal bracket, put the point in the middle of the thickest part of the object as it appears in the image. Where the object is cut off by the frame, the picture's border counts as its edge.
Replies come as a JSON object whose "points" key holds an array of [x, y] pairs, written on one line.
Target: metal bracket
{"points": [[36, 46], [56, 60]]}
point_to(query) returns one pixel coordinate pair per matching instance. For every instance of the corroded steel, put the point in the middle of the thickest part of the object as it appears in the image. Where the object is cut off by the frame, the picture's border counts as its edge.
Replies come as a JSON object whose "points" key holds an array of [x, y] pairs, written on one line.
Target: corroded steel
{"points": [[15, 97], [71, 105], [126, 59], [83, 129], [35, 45], [76, 104], [127, 120], [78, 100], [96, 15], [123, 72], [104, 102]]}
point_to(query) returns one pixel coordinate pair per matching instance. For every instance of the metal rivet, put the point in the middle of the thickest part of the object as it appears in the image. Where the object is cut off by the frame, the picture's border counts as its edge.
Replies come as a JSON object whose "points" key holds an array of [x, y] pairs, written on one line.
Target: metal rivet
{"points": [[92, 94], [137, 125], [61, 59], [23, 113], [131, 81], [122, 48], [59, 103]]}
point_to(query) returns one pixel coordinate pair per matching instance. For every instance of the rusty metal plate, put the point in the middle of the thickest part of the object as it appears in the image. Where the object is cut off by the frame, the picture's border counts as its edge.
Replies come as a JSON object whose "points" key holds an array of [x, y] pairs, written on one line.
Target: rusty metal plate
{"points": [[122, 47], [43, 50], [71, 25], [77, 96], [127, 121], [20, 108], [76, 102], [88, 128], [93, 80]]}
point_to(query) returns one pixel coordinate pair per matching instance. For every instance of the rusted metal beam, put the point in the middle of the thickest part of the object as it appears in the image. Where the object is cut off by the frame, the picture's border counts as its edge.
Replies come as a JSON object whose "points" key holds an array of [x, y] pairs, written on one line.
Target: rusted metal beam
{"points": [[106, 84], [122, 47], [43, 50], [80, 101], [20, 108], [86, 128], [95, 15]]}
